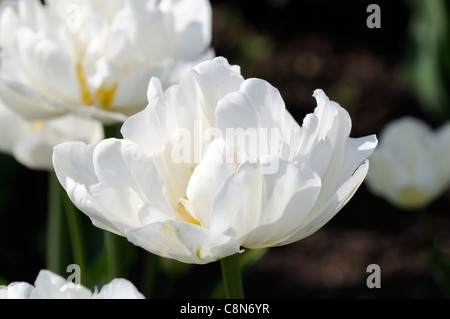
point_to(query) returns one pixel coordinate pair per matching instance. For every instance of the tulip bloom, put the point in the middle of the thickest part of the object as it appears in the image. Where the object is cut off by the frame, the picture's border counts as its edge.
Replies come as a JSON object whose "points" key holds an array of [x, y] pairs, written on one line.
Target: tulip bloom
{"points": [[31, 142], [92, 59], [49, 285], [178, 186], [411, 167]]}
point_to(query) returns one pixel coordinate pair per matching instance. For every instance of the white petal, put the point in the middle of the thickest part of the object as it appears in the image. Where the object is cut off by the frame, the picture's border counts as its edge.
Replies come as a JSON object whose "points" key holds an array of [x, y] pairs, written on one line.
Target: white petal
{"points": [[27, 101], [149, 128], [12, 129], [48, 65], [130, 96], [194, 25], [156, 24], [104, 116], [183, 241], [16, 290], [329, 124], [321, 213], [9, 22], [209, 175], [35, 148], [193, 99], [345, 162], [259, 108], [124, 173], [49, 285], [261, 209], [197, 94], [73, 164], [119, 288]]}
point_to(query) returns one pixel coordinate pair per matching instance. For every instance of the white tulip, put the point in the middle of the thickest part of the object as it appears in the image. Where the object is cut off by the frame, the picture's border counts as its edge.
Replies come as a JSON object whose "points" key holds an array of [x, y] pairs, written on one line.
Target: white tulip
{"points": [[88, 58], [178, 187], [411, 166], [49, 285], [31, 142]]}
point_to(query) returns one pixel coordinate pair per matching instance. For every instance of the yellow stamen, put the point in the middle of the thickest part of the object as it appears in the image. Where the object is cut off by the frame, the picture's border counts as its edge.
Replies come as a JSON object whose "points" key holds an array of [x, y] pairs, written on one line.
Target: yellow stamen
{"points": [[104, 96], [38, 125], [85, 94], [184, 215]]}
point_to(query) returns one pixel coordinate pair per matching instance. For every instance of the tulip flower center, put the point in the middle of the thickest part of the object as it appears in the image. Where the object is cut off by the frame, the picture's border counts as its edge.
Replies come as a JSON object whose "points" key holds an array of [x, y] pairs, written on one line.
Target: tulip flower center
{"points": [[38, 125], [104, 96], [413, 197]]}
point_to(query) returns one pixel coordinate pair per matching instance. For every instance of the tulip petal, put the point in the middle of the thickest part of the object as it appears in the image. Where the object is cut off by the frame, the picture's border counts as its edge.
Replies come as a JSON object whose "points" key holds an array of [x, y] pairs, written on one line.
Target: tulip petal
{"points": [[199, 92], [27, 101], [16, 290], [9, 20], [149, 128], [11, 122], [257, 107], [35, 146], [260, 209], [357, 150], [52, 286], [45, 59], [183, 241], [118, 288], [193, 23], [73, 164], [124, 173], [324, 212], [111, 184], [209, 175]]}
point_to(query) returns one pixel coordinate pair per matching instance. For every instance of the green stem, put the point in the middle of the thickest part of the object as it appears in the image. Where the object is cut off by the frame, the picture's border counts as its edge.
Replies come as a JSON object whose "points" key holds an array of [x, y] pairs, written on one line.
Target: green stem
{"points": [[111, 240], [150, 275], [75, 232], [112, 250], [54, 226], [231, 274]]}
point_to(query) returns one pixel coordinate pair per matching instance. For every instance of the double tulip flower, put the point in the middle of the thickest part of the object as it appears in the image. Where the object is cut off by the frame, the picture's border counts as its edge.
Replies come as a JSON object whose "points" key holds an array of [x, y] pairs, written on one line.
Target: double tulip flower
{"points": [[178, 186], [67, 67]]}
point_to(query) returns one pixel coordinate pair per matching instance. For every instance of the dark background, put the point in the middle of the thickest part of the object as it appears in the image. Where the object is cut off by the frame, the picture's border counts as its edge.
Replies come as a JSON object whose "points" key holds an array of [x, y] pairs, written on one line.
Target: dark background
{"points": [[297, 46]]}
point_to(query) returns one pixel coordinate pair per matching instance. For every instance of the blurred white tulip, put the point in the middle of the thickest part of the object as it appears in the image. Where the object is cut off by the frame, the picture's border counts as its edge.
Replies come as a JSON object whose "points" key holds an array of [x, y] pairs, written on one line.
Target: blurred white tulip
{"points": [[95, 59], [411, 166], [49, 285], [31, 142]]}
